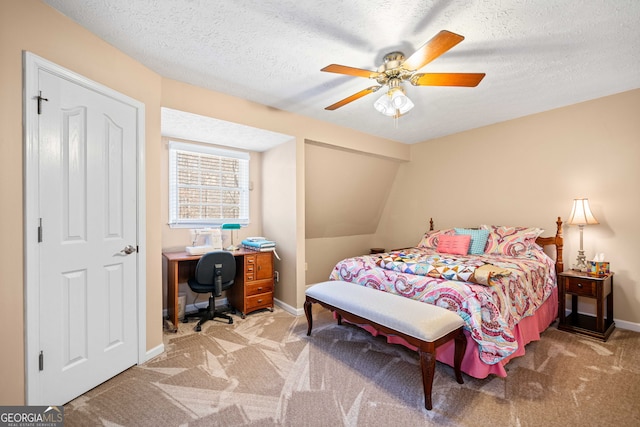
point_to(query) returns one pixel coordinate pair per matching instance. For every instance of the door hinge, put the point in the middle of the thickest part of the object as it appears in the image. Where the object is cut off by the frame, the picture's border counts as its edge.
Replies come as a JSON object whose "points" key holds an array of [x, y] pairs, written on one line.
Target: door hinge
{"points": [[40, 99], [39, 230], [41, 361]]}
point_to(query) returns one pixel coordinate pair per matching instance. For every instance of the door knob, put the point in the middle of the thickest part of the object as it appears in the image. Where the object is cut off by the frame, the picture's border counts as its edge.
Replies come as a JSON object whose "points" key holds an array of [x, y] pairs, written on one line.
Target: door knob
{"points": [[128, 249]]}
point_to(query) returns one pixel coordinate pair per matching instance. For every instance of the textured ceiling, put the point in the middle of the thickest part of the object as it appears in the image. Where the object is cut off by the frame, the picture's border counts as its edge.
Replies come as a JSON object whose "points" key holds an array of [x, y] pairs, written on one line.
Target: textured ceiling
{"points": [[537, 55], [180, 124]]}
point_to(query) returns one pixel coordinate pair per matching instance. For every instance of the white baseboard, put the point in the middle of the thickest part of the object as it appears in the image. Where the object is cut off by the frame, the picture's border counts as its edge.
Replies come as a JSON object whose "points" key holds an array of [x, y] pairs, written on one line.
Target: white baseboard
{"points": [[288, 308], [154, 352], [622, 324], [195, 307], [223, 302]]}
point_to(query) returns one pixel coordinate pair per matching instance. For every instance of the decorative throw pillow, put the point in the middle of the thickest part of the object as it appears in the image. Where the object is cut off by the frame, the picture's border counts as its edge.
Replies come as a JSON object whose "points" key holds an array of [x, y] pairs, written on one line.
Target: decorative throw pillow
{"points": [[456, 244], [478, 239], [511, 241], [431, 238]]}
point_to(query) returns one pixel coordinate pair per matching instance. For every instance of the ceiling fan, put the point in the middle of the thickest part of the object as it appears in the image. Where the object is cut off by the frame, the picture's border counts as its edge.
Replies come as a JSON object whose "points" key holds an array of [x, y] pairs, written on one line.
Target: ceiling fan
{"points": [[397, 69]]}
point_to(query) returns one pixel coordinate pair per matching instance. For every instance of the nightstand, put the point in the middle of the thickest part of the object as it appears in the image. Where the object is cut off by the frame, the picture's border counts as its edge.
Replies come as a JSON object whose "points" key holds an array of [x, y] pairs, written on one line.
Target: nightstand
{"points": [[600, 288]]}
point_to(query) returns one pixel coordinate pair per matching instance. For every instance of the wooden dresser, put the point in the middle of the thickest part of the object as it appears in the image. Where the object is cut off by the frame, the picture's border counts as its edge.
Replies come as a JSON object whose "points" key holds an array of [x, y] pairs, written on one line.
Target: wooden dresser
{"points": [[253, 286]]}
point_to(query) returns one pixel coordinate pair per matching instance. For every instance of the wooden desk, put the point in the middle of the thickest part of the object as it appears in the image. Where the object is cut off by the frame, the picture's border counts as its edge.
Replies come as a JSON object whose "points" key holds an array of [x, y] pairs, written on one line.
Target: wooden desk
{"points": [[252, 288]]}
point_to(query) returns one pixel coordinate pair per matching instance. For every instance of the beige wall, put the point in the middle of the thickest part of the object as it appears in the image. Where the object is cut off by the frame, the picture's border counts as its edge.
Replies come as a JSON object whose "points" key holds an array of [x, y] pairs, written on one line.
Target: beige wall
{"points": [[280, 222], [32, 26], [527, 172], [346, 192]]}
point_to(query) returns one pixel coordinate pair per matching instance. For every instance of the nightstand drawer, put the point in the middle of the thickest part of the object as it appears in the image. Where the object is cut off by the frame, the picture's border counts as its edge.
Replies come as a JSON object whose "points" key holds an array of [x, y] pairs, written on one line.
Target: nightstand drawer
{"points": [[581, 287]]}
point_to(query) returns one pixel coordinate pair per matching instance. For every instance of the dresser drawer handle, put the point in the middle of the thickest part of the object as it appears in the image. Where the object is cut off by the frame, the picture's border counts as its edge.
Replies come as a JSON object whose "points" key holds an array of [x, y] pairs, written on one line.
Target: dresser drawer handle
{"points": [[259, 301], [260, 288], [580, 285]]}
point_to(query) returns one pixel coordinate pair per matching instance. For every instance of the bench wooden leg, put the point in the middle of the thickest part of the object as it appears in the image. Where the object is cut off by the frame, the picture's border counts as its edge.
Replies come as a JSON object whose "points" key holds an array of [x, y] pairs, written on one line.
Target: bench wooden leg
{"points": [[460, 348], [428, 367], [307, 312], [428, 364]]}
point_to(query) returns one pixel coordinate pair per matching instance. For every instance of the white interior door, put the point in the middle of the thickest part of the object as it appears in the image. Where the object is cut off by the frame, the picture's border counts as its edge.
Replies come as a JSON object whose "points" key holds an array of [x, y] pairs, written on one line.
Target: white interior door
{"points": [[87, 295]]}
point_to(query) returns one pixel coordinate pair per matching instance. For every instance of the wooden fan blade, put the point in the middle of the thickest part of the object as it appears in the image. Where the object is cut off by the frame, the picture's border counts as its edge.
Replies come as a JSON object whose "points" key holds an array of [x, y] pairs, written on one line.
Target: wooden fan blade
{"points": [[353, 97], [447, 79], [439, 44], [351, 71]]}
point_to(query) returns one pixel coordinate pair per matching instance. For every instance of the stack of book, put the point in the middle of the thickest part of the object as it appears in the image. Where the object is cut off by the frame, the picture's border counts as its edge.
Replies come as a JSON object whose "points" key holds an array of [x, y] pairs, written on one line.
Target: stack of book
{"points": [[259, 244]]}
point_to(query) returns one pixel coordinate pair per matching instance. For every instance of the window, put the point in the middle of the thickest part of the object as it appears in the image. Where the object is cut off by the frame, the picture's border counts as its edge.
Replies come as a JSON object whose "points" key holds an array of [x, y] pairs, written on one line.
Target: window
{"points": [[207, 186]]}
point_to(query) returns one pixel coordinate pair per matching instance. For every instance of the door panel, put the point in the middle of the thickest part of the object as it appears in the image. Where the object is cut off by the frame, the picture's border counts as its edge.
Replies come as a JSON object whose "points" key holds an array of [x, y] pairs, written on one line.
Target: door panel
{"points": [[88, 206], [74, 307]]}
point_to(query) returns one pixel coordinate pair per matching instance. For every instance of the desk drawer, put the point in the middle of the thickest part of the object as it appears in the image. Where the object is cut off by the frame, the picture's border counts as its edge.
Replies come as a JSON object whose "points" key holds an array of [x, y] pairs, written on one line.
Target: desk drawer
{"points": [[259, 301], [580, 286], [259, 288]]}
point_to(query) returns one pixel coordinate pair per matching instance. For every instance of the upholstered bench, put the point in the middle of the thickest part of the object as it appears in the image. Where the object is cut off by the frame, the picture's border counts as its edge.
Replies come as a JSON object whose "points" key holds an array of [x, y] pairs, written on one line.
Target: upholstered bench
{"points": [[422, 325]]}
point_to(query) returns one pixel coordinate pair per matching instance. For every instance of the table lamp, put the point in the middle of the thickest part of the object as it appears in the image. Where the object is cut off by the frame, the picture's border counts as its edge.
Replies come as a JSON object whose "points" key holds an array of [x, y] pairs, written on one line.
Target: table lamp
{"points": [[581, 215], [231, 227]]}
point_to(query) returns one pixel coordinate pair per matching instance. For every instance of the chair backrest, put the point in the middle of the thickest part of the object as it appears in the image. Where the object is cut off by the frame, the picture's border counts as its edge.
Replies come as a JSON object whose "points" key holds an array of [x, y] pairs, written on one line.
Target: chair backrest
{"points": [[223, 261]]}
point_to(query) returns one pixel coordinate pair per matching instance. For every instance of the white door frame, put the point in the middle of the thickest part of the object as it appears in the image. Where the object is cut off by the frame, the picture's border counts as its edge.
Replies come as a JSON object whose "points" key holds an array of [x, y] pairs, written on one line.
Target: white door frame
{"points": [[32, 64]]}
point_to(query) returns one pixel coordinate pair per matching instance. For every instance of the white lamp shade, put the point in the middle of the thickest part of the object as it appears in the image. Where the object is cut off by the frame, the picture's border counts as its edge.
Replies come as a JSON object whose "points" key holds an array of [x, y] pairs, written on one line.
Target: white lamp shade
{"points": [[406, 105], [398, 99], [581, 213], [383, 105]]}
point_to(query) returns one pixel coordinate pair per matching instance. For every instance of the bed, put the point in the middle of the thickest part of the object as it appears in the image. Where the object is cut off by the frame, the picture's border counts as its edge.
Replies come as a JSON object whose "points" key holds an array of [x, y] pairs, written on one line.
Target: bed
{"points": [[501, 280]]}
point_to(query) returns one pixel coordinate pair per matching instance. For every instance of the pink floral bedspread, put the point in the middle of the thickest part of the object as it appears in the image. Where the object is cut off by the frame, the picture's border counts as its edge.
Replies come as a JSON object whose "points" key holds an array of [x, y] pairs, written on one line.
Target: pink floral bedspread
{"points": [[490, 312]]}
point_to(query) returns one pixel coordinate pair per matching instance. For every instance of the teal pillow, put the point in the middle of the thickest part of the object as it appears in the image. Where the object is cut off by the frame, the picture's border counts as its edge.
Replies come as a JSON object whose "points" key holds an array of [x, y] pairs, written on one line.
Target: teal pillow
{"points": [[478, 239]]}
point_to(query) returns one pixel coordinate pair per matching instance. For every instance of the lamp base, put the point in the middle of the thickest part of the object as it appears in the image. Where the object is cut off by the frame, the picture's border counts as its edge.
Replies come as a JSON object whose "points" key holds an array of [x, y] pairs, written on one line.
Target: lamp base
{"points": [[581, 262]]}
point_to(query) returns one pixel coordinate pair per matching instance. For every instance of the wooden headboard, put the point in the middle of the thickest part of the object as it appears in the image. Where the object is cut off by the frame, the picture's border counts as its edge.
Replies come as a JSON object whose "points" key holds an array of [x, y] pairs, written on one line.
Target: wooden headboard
{"points": [[557, 241]]}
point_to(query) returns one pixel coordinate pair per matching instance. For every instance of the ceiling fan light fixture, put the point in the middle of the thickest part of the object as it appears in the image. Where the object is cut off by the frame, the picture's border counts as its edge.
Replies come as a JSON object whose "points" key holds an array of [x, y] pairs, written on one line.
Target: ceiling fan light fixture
{"points": [[393, 103], [407, 106], [383, 105], [399, 99], [398, 69]]}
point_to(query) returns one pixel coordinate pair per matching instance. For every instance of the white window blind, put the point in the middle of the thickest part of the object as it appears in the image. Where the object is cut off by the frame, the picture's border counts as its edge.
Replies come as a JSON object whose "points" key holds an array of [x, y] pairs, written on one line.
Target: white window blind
{"points": [[207, 186]]}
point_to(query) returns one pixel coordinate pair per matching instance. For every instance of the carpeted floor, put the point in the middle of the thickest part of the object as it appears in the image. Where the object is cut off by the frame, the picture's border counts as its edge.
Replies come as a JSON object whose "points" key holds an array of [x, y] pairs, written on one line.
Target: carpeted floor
{"points": [[265, 371]]}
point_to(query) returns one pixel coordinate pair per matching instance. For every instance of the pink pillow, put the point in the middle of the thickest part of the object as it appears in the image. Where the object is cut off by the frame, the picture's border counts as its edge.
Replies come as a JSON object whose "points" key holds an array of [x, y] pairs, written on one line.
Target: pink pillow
{"points": [[458, 244]]}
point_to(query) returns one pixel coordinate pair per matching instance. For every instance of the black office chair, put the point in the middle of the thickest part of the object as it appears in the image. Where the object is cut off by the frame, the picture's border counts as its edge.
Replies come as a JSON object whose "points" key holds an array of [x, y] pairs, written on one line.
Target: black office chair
{"points": [[215, 273]]}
